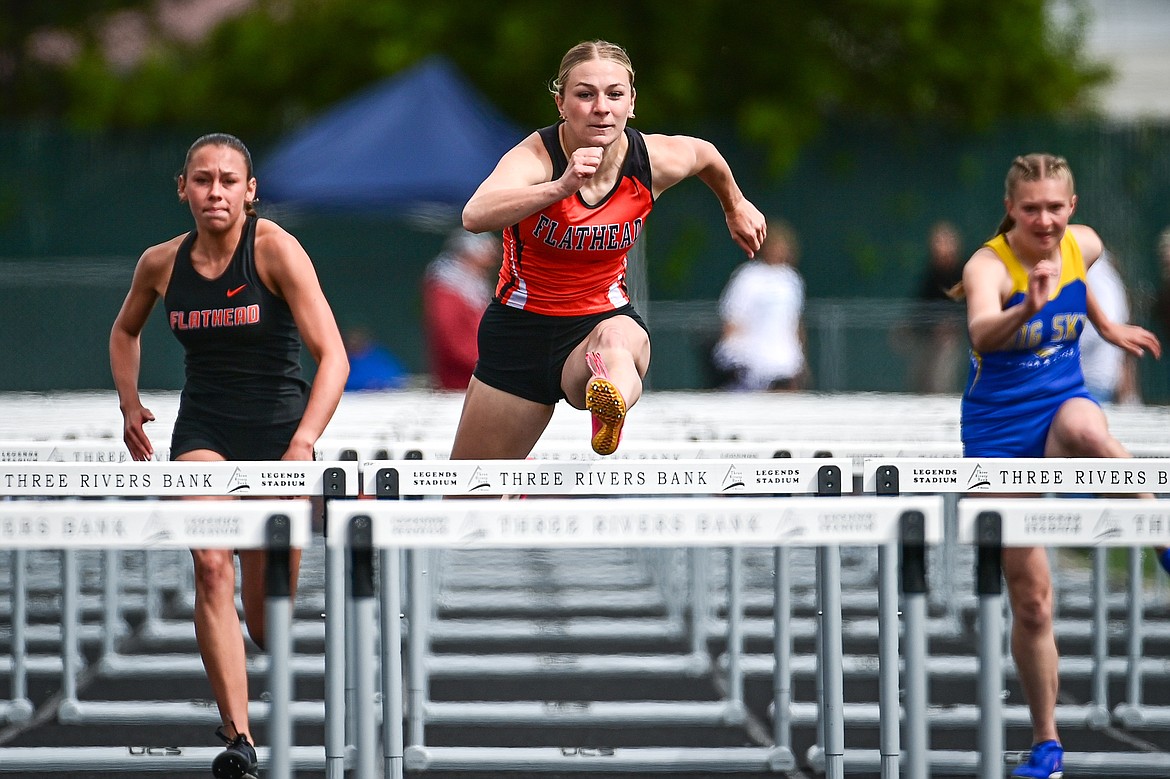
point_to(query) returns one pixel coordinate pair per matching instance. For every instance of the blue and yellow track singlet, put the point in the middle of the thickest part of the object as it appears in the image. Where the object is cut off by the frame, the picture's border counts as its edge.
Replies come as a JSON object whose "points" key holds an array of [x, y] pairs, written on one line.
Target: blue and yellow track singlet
{"points": [[1013, 393]]}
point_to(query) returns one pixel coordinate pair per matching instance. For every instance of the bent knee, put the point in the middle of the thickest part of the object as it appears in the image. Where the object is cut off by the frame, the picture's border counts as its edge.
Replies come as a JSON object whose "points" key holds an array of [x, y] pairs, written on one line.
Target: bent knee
{"points": [[215, 573], [1033, 615]]}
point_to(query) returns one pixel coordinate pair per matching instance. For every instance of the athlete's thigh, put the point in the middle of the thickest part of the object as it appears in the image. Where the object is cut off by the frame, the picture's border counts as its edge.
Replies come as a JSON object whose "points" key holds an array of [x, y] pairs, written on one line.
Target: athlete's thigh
{"points": [[497, 425], [618, 332], [1080, 429]]}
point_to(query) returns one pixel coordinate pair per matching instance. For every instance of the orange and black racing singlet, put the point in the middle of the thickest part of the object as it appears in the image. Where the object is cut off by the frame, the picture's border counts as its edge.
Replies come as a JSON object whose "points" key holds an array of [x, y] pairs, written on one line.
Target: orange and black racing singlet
{"points": [[569, 259]]}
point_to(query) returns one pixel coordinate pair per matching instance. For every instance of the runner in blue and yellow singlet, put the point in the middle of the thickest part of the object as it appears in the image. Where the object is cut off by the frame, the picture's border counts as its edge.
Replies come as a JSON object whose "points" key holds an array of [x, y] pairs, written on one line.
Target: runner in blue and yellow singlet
{"points": [[1027, 303]]}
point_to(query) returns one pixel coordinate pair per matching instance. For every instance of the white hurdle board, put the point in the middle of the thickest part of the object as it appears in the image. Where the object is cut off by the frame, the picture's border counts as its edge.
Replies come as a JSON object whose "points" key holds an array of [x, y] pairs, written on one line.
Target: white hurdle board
{"points": [[1069, 522], [104, 450], [283, 478], [392, 478], [637, 521], [1089, 475], [71, 524]]}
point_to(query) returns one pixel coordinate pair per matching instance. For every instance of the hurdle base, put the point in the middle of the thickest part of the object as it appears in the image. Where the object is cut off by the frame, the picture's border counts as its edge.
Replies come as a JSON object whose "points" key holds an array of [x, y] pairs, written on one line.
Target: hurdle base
{"points": [[120, 666], [601, 759], [943, 762], [17, 711], [1130, 716], [84, 712], [695, 665], [144, 759], [534, 713]]}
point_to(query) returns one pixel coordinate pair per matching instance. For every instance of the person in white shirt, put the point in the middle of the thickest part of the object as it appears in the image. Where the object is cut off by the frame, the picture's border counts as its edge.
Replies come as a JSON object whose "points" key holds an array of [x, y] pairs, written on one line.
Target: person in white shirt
{"points": [[761, 308], [1109, 375]]}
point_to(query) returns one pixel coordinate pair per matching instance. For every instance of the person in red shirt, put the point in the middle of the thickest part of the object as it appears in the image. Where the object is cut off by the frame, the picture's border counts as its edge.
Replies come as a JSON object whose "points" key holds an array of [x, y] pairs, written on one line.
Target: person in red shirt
{"points": [[456, 289], [571, 199]]}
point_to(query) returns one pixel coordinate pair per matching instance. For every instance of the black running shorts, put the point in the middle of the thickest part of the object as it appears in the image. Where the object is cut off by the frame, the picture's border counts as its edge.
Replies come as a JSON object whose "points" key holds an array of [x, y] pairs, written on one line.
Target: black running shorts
{"points": [[234, 442], [523, 353]]}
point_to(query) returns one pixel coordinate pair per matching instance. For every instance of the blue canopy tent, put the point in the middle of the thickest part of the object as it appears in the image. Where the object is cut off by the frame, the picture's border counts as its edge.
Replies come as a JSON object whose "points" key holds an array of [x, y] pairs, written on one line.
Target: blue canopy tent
{"points": [[419, 141]]}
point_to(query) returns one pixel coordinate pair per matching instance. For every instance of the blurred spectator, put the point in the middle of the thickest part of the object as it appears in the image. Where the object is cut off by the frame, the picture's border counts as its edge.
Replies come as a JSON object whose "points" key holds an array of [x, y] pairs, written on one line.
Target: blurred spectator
{"points": [[456, 289], [938, 339], [1109, 373], [762, 309], [1162, 298], [371, 365]]}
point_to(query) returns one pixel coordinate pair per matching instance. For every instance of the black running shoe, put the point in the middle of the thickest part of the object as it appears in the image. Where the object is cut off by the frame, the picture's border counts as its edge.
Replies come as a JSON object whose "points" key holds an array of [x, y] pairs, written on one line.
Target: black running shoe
{"points": [[238, 761]]}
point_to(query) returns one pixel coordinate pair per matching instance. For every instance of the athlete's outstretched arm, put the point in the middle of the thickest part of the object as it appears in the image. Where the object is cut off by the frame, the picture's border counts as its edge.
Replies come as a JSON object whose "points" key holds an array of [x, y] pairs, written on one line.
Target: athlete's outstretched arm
{"points": [[1132, 338], [677, 157]]}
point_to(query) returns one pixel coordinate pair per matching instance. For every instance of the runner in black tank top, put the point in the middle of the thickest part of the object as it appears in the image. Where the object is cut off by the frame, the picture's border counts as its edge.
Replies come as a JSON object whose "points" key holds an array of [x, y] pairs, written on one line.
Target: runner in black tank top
{"points": [[241, 295], [242, 357]]}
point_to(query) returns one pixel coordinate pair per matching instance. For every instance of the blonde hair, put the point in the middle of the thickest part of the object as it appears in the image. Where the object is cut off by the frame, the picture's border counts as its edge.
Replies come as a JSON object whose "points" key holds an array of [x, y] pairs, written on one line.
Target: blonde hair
{"points": [[1033, 167], [587, 51], [1025, 168]]}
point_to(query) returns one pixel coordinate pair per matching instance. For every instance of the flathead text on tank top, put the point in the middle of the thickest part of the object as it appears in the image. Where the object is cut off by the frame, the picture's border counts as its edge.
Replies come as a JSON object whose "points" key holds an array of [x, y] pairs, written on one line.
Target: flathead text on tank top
{"points": [[597, 237], [236, 316]]}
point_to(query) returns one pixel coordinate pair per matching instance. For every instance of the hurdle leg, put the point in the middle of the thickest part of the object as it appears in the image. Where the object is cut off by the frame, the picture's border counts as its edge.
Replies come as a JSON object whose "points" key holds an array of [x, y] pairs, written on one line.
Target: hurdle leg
{"points": [[889, 703], [70, 648], [365, 678], [390, 566], [782, 649], [832, 706], [735, 625], [699, 561], [335, 661], [989, 588], [20, 707], [1098, 714], [420, 605], [278, 618], [1130, 712], [111, 613], [914, 599]]}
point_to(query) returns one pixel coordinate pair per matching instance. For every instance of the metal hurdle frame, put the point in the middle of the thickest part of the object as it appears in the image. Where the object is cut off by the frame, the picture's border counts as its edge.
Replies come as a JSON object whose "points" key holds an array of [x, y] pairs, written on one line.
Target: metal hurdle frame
{"points": [[276, 525], [470, 477], [976, 477], [328, 480], [392, 480]]}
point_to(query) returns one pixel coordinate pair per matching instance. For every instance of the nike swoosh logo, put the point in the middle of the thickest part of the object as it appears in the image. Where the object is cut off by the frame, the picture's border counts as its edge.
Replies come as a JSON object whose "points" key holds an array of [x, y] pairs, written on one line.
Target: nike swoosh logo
{"points": [[231, 293]]}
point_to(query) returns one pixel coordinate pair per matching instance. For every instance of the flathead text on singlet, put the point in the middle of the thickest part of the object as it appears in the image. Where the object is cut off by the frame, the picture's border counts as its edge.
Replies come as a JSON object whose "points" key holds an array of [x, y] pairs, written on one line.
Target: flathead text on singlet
{"points": [[215, 317], [595, 237]]}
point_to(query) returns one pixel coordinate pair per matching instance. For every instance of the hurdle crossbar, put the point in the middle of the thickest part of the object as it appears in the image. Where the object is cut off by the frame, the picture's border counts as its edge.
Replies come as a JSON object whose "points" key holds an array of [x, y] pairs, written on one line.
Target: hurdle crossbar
{"points": [[451, 478]]}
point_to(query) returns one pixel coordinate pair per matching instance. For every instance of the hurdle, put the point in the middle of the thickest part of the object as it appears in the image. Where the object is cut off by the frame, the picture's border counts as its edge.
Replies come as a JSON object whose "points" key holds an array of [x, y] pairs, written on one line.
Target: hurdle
{"points": [[328, 480], [588, 478], [1099, 523], [277, 526], [17, 664], [415, 478]]}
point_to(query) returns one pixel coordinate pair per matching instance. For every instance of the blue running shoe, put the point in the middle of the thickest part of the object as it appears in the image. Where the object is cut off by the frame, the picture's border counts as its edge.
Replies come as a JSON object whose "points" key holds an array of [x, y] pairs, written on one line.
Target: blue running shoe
{"points": [[1164, 559], [1045, 762]]}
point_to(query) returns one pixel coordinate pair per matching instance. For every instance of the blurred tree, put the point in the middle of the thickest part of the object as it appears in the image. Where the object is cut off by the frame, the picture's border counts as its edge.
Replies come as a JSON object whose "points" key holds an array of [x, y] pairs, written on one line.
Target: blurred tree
{"points": [[37, 41], [777, 69]]}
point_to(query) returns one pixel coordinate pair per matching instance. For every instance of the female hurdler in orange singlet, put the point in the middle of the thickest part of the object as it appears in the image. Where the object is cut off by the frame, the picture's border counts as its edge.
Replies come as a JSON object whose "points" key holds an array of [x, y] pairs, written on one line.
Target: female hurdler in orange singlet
{"points": [[571, 199]]}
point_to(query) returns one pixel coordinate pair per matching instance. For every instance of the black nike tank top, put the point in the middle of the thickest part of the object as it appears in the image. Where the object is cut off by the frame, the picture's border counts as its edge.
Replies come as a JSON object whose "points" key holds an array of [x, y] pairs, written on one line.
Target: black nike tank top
{"points": [[241, 341]]}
